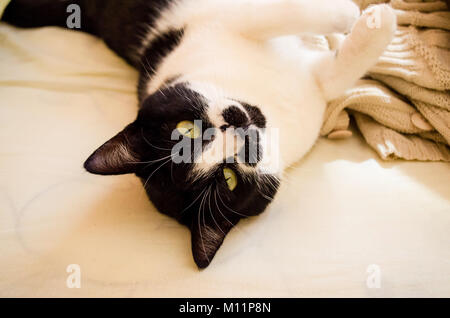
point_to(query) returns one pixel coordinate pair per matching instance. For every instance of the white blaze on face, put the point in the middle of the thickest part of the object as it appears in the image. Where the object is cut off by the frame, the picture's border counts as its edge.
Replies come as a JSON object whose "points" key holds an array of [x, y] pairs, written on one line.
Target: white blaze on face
{"points": [[225, 146], [222, 144]]}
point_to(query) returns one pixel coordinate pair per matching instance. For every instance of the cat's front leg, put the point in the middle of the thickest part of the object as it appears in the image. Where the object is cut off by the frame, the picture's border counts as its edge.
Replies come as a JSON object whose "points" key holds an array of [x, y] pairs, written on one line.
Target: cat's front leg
{"points": [[265, 19], [359, 52]]}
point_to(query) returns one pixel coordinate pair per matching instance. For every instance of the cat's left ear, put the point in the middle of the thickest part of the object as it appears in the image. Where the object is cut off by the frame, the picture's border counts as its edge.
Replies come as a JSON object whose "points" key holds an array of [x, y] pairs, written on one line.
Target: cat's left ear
{"points": [[116, 156], [207, 236]]}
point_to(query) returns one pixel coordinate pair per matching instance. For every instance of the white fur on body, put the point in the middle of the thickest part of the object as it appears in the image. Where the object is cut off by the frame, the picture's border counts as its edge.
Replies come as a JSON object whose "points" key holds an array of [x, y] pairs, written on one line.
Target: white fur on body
{"points": [[247, 50]]}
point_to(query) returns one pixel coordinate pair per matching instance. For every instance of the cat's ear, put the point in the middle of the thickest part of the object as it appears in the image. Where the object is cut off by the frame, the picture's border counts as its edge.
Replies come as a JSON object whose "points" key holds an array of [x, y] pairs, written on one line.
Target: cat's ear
{"points": [[207, 236], [116, 156]]}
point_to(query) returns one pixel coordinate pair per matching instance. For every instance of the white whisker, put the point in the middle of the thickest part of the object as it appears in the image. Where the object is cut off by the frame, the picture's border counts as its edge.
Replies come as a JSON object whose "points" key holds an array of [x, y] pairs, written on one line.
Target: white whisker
{"points": [[210, 210], [148, 179], [229, 209], [199, 227]]}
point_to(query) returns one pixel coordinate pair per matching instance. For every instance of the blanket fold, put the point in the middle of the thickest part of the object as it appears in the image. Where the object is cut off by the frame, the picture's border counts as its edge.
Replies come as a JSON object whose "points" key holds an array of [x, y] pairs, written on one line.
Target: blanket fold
{"points": [[403, 108]]}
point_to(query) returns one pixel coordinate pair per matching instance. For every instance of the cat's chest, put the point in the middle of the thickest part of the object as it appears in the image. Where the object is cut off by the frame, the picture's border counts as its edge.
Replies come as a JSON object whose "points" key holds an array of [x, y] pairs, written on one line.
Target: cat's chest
{"points": [[278, 69]]}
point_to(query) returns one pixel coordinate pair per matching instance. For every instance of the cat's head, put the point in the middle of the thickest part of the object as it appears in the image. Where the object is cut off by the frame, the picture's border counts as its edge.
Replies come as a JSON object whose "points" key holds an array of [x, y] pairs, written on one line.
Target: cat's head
{"points": [[200, 156]]}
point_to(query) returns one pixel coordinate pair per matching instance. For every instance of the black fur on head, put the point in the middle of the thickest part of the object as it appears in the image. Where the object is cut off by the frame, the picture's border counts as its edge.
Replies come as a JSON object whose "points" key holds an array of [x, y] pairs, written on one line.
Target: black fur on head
{"points": [[202, 202]]}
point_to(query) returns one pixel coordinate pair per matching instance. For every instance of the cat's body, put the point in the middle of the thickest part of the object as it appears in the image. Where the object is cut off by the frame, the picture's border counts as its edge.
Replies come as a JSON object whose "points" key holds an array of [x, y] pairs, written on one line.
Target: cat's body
{"points": [[231, 64]]}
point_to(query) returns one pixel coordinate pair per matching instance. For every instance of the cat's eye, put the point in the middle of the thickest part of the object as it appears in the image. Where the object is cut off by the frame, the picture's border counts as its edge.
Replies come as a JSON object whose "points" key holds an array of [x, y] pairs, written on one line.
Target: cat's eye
{"points": [[188, 129], [230, 178]]}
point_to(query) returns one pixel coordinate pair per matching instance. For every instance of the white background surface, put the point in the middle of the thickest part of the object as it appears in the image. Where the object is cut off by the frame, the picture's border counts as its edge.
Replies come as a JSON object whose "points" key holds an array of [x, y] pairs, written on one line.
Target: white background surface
{"points": [[63, 94]]}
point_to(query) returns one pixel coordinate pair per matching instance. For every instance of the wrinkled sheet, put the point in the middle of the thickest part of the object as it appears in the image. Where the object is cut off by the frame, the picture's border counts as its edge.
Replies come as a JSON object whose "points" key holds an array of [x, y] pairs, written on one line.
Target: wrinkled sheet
{"points": [[341, 217]]}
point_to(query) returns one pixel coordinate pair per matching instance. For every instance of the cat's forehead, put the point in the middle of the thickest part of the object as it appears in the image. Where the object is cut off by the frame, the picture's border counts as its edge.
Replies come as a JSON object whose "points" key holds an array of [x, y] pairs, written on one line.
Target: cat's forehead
{"points": [[225, 108]]}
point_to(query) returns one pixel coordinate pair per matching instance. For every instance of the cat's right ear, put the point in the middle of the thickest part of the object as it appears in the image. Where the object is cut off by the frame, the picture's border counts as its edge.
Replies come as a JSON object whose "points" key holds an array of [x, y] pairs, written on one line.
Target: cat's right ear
{"points": [[116, 156]]}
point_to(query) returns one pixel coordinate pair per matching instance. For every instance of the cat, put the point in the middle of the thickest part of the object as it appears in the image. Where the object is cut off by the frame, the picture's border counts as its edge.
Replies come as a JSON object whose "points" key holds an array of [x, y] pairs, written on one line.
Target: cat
{"points": [[228, 65]]}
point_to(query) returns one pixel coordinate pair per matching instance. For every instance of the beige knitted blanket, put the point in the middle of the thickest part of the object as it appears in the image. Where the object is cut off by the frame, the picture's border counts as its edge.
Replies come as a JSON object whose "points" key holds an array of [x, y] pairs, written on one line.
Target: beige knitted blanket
{"points": [[403, 109]]}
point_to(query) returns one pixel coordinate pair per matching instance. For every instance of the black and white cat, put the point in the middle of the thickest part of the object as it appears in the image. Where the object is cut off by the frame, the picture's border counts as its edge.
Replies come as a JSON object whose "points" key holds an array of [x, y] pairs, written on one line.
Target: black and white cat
{"points": [[230, 64]]}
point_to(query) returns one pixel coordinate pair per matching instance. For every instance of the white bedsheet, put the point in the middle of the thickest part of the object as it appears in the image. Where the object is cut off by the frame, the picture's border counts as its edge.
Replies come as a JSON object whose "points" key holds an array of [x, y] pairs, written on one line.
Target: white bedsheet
{"points": [[62, 94]]}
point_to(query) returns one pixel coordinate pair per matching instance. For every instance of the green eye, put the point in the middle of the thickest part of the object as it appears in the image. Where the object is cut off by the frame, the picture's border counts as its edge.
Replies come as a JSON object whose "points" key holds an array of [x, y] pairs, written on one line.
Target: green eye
{"points": [[188, 129], [230, 178]]}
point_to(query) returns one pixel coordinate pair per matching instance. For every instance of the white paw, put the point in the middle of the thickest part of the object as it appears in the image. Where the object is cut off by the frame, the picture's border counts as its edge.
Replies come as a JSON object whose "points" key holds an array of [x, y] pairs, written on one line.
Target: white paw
{"points": [[373, 32], [346, 14], [380, 18]]}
